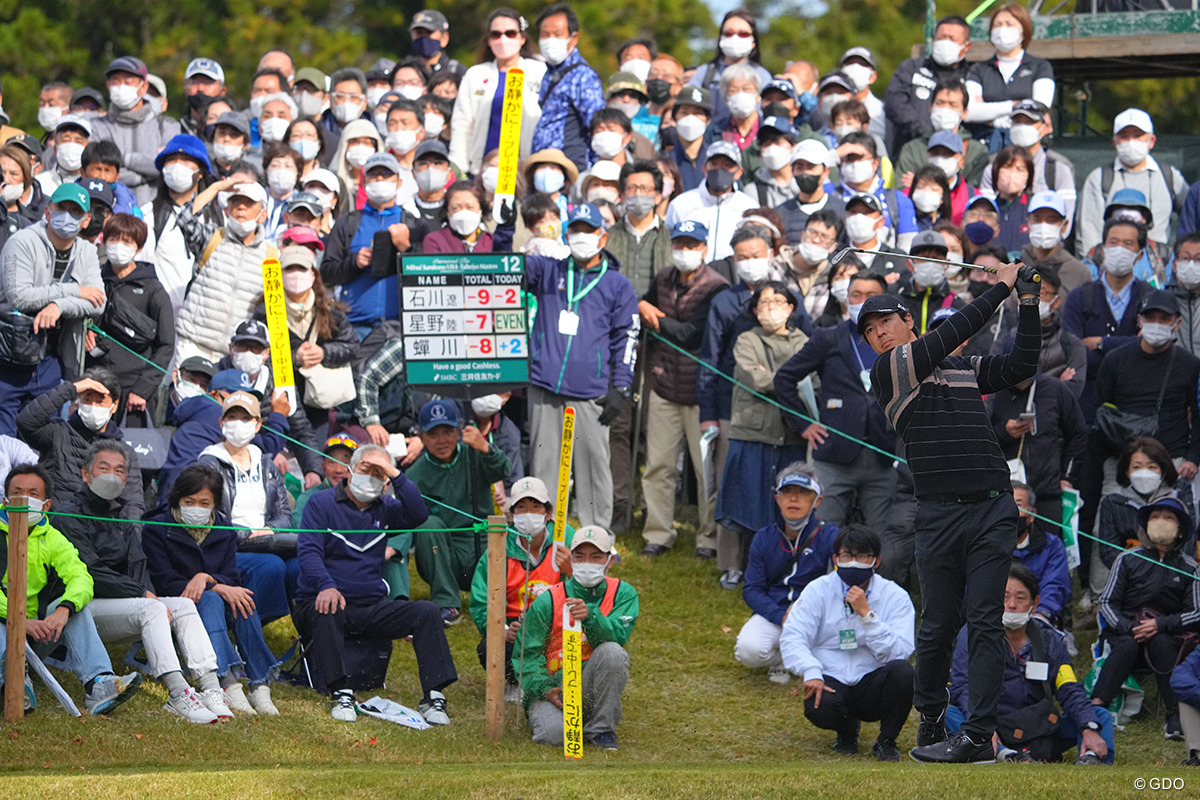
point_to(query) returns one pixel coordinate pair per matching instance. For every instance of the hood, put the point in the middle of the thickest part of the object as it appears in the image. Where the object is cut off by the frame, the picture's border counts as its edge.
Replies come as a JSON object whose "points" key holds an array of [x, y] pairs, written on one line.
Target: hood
{"points": [[219, 452], [1170, 503], [1056, 259], [133, 116], [142, 271]]}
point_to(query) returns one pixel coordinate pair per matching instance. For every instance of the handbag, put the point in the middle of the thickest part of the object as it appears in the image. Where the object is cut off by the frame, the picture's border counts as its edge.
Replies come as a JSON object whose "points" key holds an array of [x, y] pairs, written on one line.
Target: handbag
{"points": [[1033, 728], [149, 444], [19, 345], [129, 326], [326, 387], [1116, 427]]}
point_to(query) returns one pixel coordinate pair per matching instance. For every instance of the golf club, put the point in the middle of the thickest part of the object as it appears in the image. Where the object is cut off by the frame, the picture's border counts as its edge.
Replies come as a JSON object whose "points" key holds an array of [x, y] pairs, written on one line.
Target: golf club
{"points": [[840, 256]]}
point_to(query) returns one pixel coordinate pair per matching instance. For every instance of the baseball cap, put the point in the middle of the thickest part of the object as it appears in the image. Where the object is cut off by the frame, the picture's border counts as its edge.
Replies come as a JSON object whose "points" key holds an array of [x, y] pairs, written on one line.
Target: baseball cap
{"points": [[100, 192], [235, 120], [430, 20], [381, 70], [334, 442], [28, 143], [303, 235], [252, 330], [431, 146], [625, 82], [251, 191], [87, 93], [781, 85], [801, 480], [310, 75], [305, 200], [1047, 200], [947, 139], [385, 160], [128, 64], [587, 214], [689, 229], [867, 199], [779, 125], [1159, 300], [594, 535], [723, 148], [812, 151], [206, 67], [940, 316], [1128, 198], [230, 380], [694, 96], [983, 198], [604, 170], [157, 84], [1030, 108], [297, 255], [1135, 117], [437, 413], [858, 52], [533, 488], [75, 121], [836, 79], [200, 364], [880, 304], [72, 193], [927, 239], [241, 399], [323, 177]]}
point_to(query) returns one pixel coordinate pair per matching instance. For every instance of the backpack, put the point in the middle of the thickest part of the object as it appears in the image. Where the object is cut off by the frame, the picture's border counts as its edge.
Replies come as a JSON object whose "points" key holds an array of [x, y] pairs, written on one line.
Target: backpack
{"points": [[1106, 180]]}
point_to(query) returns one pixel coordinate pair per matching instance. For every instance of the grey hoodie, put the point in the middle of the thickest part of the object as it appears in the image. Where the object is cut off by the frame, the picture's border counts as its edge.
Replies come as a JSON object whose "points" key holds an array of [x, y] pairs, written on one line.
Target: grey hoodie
{"points": [[141, 134]]}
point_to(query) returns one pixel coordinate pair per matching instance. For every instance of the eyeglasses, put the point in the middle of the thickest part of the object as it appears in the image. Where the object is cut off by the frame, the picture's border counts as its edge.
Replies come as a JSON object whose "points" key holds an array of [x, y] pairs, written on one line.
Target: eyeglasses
{"points": [[511, 34], [342, 97], [738, 34], [818, 238], [778, 302]]}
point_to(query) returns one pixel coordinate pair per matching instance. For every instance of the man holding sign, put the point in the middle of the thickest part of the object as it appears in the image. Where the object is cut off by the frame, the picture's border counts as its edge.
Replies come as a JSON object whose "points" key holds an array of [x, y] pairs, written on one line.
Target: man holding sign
{"points": [[606, 609]]}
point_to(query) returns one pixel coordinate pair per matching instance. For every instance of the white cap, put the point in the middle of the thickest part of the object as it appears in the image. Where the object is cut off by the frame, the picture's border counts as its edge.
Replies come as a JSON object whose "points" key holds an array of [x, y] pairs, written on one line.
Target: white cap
{"points": [[595, 535], [1047, 200], [253, 191], [1135, 117], [812, 151], [323, 177], [605, 171]]}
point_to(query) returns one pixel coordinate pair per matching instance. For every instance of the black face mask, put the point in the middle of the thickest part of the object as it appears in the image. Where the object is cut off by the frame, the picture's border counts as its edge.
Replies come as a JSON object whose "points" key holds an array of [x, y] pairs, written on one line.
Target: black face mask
{"points": [[979, 287], [658, 90], [718, 181], [99, 217], [426, 46], [807, 183]]}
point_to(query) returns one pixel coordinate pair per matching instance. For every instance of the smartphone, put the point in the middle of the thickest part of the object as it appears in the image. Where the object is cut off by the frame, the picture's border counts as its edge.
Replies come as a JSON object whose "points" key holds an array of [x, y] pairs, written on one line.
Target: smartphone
{"points": [[1031, 418]]}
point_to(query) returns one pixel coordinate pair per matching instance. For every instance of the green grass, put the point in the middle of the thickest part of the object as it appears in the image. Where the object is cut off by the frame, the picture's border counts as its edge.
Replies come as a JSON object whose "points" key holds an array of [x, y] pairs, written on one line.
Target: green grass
{"points": [[696, 724]]}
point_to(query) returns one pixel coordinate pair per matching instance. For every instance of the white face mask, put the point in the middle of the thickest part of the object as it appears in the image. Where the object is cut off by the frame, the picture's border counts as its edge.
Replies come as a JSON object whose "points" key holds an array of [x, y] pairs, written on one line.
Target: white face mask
{"points": [[946, 52], [859, 75], [49, 116], [281, 181], [491, 179], [306, 148], [588, 575], [239, 228], [583, 245], [947, 164], [1045, 235], [1188, 272], [431, 180], [637, 66], [465, 222], [94, 417], [858, 171], [124, 96], [548, 180], [1044, 309], [687, 260], [413, 93], [776, 157], [374, 93], [1024, 135], [736, 47], [529, 524], [928, 273], [1145, 481], [628, 109], [840, 290], [854, 309], [11, 193], [70, 156], [830, 101], [753, 270], [690, 127], [324, 195], [179, 177], [944, 119], [119, 253], [366, 488], [1156, 334], [602, 194], [195, 516], [813, 254], [555, 50], [608, 143], [434, 125], [238, 432], [185, 390], [1015, 620], [1133, 152], [380, 192], [1006, 39], [1162, 531], [402, 142], [840, 132], [310, 104], [107, 486], [297, 281], [860, 228], [357, 154], [344, 112], [272, 129], [487, 406], [927, 200], [248, 362], [742, 104], [381, 124], [256, 105], [1119, 260], [227, 153], [772, 319]]}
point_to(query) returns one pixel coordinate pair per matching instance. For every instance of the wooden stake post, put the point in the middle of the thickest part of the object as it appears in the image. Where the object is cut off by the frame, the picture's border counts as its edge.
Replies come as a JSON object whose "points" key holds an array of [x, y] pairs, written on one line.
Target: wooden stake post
{"points": [[496, 607], [14, 658]]}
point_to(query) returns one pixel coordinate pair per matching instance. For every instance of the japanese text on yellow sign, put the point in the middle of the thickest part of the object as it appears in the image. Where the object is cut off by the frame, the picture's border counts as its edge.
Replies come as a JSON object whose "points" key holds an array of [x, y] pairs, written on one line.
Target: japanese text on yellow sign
{"points": [[564, 474], [510, 133], [572, 694], [281, 343]]}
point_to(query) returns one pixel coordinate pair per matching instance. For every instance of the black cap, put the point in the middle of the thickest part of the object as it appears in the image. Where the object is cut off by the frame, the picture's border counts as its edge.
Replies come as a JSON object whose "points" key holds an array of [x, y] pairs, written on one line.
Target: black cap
{"points": [[880, 304], [100, 192], [431, 146], [87, 93], [199, 364], [27, 143], [252, 330], [867, 199], [1160, 300]]}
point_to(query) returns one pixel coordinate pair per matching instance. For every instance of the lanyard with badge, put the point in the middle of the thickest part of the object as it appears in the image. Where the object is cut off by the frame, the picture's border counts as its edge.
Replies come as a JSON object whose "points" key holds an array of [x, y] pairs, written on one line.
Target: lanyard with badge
{"points": [[568, 319], [864, 374], [848, 633]]}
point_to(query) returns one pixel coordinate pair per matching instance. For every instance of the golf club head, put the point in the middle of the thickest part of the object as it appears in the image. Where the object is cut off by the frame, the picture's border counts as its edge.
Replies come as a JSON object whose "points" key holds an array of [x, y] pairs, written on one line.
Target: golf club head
{"points": [[839, 256]]}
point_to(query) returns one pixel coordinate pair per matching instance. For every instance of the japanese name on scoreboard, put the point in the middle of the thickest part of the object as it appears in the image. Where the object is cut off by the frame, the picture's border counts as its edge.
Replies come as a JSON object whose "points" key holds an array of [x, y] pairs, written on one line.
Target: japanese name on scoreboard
{"points": [[464, 319]]}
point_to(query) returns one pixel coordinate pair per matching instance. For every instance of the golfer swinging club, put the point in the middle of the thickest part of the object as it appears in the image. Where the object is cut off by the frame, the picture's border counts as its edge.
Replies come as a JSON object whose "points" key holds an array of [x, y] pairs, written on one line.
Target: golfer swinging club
{"points": [[966, 523]]}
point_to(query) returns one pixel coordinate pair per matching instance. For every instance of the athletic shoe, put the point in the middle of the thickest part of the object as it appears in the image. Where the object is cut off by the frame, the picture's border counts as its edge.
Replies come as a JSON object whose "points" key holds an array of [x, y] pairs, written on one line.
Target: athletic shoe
{"points": [[1086, 600], [958, 749], [451, 616], [778, 674], [846, 742], [260, 698], [1089, 759], [513, 693], [214, 701], [341, 706], [706, 553], [932, 729], [606, 740], [189, 706], [886, 750], [730, 579], [30, 698], [109, 691], [1193, 759], [1172, 730], [433, 709], [235, 698], [653, 550], [1006, 755]]}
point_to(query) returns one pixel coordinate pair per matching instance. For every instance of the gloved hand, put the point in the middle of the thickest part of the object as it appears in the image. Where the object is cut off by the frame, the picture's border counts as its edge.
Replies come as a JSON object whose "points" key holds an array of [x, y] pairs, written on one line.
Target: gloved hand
{"points": [[508, 214], [1028, 282], [614, 403]]}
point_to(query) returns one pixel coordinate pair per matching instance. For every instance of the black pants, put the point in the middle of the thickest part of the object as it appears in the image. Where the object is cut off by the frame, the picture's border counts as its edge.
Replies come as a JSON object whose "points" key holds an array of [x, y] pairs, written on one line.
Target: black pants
{"points": [[885, 695], [509, 674], [1158, 653], [380, 619], [964, 551]]}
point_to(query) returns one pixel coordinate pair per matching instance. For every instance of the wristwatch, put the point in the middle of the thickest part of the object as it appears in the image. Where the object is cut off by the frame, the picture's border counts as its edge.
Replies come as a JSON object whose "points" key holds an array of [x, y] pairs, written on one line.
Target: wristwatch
{"points": [[1093, 726], [870, 617]]}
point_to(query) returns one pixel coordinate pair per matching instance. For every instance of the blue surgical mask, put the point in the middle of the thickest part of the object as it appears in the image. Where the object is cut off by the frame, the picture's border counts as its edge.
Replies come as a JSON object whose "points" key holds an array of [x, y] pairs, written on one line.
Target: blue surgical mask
{"points": [[856, 573], [64, 225]]}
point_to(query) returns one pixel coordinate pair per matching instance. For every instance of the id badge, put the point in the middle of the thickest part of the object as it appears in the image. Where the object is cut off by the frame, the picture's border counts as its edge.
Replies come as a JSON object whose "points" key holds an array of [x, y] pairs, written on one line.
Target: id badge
{"points": [[847, 639], [568, 322], [1037, 670], [865, 376]]}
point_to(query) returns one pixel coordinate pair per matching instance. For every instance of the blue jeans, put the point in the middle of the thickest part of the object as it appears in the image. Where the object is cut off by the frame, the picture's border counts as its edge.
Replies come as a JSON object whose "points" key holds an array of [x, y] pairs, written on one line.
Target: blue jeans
{"points": [[1068, 732], [19, 385], [251, 650], [86, 656], [273, 581]]}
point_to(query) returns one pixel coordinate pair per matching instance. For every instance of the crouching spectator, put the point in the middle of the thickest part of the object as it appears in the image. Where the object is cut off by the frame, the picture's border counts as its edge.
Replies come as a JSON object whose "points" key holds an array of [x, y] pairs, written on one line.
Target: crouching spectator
{"points": [[784, 558], [606, 609], [850, 636], [1044, 553], [1037, 673], [342, 591], [1185, 682]]}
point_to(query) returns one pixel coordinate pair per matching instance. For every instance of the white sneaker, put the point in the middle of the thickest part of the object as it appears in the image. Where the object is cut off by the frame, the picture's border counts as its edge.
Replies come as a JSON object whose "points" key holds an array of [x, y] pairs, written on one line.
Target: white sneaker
{"points": [[214, 701], [188, 706], [778, 674], [235, 698], [260, 698], [341, 707], [513, 693], [433, 709]]}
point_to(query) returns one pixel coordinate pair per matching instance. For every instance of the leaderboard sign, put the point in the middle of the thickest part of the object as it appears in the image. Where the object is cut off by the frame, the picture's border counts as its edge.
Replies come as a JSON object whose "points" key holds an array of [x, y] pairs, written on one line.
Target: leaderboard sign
{"points": [[464, 321]]}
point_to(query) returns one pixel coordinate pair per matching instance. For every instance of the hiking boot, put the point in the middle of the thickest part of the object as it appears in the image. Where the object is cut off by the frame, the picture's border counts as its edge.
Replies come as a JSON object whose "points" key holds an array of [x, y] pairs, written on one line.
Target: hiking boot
{"points": [[341, 706], [433, 709], [235, 698], [607, 740], [1089, 759], [886, 750], [958, 749], [731, 578], [260, 699], [109, 691], [451, 616], [189, 706], [846, 742], [1172, 730], [214, 701]]}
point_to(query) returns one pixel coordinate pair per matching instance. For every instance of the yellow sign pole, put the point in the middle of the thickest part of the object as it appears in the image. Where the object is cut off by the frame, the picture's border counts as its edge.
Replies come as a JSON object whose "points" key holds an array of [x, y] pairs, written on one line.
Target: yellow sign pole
{"points": [[572, 693], [564, 476], [510, 143], [281, 340]]}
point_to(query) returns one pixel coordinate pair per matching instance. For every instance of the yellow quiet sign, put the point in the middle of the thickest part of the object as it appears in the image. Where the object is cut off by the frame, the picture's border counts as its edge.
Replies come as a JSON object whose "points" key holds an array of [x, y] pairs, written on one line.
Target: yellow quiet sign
{"points": [[572, 693], [281, 343], [564, 474], [510, 141]]}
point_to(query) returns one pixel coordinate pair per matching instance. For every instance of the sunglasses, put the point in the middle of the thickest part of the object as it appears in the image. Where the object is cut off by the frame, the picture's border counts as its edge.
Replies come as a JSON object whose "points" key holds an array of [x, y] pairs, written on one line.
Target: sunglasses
{"points": [[511, 34]]}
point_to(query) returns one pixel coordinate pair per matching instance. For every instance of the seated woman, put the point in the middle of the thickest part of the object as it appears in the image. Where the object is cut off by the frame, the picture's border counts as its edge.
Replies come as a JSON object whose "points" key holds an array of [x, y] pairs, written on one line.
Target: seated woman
{"points": [[191, 552], [1144, 607], [1037, 671], [255, 499]]}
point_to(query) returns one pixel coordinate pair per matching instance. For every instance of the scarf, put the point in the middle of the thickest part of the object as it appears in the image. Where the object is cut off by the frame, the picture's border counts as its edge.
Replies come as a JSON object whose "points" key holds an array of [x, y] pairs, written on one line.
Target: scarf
{"points": [[300, 314], [198, 534]]}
